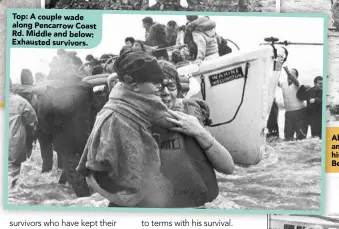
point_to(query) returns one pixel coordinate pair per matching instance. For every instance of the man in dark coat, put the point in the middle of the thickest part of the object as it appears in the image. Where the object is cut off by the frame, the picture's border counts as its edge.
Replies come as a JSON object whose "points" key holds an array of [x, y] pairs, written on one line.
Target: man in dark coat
{"points": [[156, 36], [66, 114], [313, 96]]}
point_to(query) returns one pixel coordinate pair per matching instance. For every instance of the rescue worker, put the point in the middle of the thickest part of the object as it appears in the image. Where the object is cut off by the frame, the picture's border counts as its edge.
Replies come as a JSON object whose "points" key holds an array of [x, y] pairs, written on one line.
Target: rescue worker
{"points": [[313, 96], [22, 122], [121, 158], [156, 36], [295, 115], [172, 32], [189, 153]]}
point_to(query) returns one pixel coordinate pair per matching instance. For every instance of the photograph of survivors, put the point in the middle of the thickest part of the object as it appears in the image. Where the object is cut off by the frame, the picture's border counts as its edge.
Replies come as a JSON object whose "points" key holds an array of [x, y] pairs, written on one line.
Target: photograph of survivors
{"points": [[330, 7], [171, 112], [168, 5], [303, 222]]}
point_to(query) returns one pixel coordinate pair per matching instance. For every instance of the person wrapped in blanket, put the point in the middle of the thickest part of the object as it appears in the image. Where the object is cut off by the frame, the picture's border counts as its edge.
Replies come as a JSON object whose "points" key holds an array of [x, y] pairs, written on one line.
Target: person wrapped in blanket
{"points": [[22, 123], [189, 153], [121, 158], [133, 179]]}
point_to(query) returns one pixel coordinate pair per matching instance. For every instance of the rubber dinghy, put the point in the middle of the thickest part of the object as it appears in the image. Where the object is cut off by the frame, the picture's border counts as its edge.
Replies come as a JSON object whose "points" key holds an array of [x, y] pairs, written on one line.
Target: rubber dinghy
{"points": [[239, 89]]}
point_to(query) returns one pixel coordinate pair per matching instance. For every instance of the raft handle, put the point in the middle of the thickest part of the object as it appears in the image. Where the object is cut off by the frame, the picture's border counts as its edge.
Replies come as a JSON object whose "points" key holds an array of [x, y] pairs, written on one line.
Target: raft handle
{"points": [[203, 87]]}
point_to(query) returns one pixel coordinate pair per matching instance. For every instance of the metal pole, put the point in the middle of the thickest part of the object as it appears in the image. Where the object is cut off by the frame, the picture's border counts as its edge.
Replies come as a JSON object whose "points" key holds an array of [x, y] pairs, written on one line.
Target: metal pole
{"points": [[297, 43], [170, 47], [292, 43]]}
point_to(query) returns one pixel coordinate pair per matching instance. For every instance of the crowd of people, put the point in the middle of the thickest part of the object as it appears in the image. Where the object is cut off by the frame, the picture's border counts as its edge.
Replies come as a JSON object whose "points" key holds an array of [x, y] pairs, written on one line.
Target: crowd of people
{"points": [[136, 140], [126, 147], [303, 108]]}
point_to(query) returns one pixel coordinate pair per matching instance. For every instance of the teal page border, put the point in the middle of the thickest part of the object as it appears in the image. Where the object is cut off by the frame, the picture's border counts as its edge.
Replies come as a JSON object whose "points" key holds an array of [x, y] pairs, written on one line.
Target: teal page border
{"points": [[95, 14]]}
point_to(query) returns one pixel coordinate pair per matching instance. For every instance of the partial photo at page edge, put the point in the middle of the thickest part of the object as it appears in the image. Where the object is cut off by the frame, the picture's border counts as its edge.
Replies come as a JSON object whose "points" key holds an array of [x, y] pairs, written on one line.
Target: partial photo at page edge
{"points": [[168, 5], [225, 100]]}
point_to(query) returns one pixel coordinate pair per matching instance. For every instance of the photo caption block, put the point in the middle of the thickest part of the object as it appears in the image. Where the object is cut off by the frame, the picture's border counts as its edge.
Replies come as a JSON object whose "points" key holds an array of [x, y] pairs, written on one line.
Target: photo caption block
{"points": [[141, 220], [53, 29], [332, 150]]}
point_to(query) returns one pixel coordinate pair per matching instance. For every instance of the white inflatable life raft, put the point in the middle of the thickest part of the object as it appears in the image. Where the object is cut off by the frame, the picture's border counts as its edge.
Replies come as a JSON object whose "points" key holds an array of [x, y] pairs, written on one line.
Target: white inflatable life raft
{"points": [[239, 89]]}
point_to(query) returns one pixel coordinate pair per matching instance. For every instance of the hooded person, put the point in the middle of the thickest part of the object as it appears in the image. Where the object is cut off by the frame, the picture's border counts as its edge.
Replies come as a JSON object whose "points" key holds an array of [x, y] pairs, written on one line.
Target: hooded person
{"points": [[202, 31], [189, 147], [22, 122], [121, 159], [27, 79]]}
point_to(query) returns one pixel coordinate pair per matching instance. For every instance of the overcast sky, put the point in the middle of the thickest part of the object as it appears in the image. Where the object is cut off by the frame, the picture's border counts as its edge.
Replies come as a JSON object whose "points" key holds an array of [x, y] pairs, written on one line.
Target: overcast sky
{"points": [[247, 32]]}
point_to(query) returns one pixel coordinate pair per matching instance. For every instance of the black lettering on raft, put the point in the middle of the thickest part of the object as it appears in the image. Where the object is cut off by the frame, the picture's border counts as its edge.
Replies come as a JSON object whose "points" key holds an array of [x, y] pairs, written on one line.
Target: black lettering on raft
{"points": [[226, 76]]}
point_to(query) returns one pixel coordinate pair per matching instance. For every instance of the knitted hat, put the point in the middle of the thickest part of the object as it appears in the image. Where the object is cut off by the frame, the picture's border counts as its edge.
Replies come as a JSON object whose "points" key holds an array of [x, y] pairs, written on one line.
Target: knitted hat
{"points": [[138, 67]]}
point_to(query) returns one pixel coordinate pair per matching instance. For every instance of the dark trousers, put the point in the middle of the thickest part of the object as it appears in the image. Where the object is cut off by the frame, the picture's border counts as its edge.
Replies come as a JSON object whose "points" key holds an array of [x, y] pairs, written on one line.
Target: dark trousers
{"points": [[46, 148], [315, 122], [69, 146], [295, 123], [29, 145], [75, 179], [272, 122]]}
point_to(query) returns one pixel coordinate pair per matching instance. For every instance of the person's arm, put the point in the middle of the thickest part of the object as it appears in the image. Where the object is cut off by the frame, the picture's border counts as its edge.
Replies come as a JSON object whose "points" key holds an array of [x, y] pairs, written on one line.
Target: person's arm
{"points": [[112, 80], [318, 101], [200, 41], [291, 77], [217, 154], [29, 118]]}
